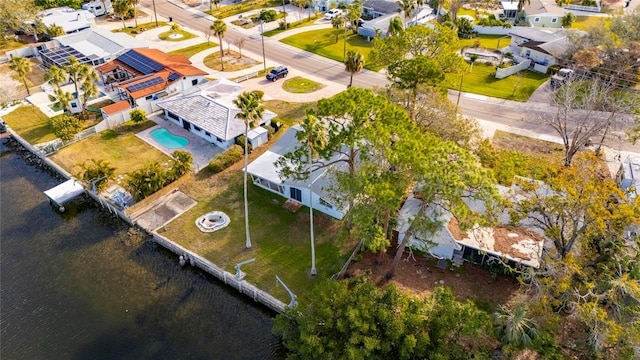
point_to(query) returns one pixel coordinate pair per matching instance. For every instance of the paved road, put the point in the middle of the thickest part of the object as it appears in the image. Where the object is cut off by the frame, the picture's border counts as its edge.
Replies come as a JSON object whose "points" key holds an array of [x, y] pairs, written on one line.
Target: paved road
{"points": [[505, 112]]}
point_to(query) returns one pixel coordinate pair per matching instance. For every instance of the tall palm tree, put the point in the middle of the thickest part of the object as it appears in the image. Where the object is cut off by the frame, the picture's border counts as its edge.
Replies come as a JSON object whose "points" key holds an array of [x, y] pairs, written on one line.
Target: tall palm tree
{"points": [[219, 28], [353, 64], [337, 22], [395, 26], [22, 66], [56, 76], [75, 69], [514, 327], [135, 3], [408, 7], [522, 3], [251, 110], [89, 87], [314, 134]]}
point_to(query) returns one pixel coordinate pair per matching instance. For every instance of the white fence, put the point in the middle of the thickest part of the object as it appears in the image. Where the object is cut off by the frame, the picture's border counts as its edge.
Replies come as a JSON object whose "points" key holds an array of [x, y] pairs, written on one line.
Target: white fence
{"points": [[246, 77], [242, 286], [52, 146], [502, 73], [491, 30], [596, 8]]}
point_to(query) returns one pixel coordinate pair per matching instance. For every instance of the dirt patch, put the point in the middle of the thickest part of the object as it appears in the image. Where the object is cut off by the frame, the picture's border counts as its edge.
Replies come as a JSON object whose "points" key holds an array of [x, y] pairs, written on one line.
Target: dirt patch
{"points": [[232, 61], [456, 232], [527, 145], [506, 237], [420, 276]]}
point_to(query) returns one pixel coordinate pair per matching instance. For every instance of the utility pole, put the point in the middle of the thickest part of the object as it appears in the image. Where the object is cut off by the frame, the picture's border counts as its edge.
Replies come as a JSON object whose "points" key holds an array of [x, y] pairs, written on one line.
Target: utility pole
{"points": [[344, 54], [459, 90], [264, 58], [284, 11]]}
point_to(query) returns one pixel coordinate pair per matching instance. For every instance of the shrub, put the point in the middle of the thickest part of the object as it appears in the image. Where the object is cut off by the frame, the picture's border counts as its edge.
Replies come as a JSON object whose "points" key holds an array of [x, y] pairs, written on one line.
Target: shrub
{"points": [[65, 126], [270, 131], [226, 159], [240, 142], [276, 125], [268, 15], [138, 116]]}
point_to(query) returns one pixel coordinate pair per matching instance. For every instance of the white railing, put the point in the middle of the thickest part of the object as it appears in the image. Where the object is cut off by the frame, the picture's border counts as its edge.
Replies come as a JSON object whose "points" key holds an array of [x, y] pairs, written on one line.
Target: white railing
{"points": [[596, 8], [247, 77]]}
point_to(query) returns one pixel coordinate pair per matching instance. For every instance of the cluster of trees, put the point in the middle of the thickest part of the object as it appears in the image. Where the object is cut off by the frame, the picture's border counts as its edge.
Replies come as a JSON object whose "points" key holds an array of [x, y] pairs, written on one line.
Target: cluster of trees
{"points": [[154, 176]]}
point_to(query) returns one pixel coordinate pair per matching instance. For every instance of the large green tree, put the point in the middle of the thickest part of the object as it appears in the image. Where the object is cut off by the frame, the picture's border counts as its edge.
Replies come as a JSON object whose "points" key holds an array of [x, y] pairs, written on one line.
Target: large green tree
{"points": [[356, 320], [17, 15], [65, 126], [22, 67], [408, 74], [251, 111]]}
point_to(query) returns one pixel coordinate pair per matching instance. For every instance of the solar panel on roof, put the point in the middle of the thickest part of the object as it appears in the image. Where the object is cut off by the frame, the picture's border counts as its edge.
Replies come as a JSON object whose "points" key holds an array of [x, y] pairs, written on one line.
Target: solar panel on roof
{"points": [[173, 76], [145, 84], [140, 62]]}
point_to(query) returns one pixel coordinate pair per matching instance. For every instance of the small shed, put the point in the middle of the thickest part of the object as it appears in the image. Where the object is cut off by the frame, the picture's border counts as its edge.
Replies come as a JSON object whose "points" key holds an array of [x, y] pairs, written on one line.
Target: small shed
{"points": [[64, 192], [258, 136]]}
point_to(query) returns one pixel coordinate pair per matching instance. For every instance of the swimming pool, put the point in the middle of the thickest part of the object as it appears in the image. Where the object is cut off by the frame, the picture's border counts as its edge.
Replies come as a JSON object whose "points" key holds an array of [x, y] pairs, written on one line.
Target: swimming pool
{"points": [[168, 140]]}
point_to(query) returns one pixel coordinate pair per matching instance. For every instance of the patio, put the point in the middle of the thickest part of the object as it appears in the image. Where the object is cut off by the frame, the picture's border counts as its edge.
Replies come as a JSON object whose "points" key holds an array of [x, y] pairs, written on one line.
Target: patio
{"points": [[201, 150]]}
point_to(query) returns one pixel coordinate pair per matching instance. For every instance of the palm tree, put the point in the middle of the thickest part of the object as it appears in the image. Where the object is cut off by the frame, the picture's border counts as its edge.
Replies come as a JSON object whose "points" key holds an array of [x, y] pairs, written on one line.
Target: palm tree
{"points": [[314, 134], [521, 4], [75, 69], [89, 81], [22, 66], [472, 58], [135, 3], [96, 173], [251, 110], [219, 28], [514, 327], [337, 22], [419, 5], [63, 97], [56, 76], [395, 26], [408, 7], [353, 64], [121, 7]]}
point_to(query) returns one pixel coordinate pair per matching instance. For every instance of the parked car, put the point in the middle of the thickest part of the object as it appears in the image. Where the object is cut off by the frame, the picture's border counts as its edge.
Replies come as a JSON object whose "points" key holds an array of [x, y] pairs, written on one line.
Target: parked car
{"points": [[332, 13], [278, 72]]}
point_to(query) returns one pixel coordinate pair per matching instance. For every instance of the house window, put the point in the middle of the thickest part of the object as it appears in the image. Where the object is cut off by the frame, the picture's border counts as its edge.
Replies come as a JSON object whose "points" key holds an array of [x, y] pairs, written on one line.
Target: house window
{"points": [[528, 53], [219, 140], [207, 133], [194, 82], [148, 97], [74, 105], [326, 204], [554, 20], [536, 20], [173, 116], [295, 194], [268, 184], [196, 128]]}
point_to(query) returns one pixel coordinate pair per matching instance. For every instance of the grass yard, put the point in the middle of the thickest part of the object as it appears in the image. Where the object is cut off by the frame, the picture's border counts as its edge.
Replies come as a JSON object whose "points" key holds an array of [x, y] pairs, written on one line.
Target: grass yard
{"points": [[232, 61], [280, 238], [114, 146], [323, 42], [588, 22], [487, 41], [481, 80], [293, 25], [300, 85], [536, 148], [134, 30], [167, 36], [31, 124], [242, 7], [289, 113], [10, 44], [192, 50], [34, 78]]}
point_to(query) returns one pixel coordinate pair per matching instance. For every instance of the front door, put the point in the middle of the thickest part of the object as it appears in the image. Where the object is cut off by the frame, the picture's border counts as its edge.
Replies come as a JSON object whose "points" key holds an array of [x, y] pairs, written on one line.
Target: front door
{"points": [[186, 125], [296, 194]]}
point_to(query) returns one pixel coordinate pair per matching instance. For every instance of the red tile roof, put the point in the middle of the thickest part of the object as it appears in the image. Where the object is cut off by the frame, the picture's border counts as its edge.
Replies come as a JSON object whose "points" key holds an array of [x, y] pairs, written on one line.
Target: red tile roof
{"points": [[177, 63], [116, 107]]}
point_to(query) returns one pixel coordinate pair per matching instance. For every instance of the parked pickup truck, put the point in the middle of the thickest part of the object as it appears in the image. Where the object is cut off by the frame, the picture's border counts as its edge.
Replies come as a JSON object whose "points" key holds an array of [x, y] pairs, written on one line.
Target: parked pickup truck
{"points": [[562, 76]]}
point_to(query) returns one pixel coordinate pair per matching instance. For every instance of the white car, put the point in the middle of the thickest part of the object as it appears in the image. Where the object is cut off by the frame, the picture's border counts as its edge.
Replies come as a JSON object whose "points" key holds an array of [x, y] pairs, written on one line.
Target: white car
{"points": [[332, 13]]}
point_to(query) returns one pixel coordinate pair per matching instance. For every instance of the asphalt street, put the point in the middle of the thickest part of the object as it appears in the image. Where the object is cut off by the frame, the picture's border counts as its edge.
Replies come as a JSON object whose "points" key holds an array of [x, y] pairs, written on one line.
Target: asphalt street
{"points": [[504, 112]]}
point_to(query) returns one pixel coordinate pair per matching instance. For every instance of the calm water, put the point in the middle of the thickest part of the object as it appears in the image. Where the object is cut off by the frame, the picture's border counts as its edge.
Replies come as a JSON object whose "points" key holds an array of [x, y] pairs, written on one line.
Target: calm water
{"points": [[80, 285]]}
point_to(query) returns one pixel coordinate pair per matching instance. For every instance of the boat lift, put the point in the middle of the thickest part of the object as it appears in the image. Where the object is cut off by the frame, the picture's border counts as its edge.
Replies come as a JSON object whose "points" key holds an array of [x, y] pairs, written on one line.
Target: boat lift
{"points": [[64, 192]]}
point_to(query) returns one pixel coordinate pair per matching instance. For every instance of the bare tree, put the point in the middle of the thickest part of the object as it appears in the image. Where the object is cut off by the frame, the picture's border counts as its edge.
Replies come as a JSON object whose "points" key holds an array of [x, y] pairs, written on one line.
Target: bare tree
{"points": [[239, 43], [584, 110], [207, 35]]}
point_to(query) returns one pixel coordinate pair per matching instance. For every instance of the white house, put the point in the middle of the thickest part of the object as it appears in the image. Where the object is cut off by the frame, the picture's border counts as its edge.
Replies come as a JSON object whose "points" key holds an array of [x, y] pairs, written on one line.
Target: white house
{"points": [[519, 245], [382, 11], [542, 47], [210, 113], [94, 46], [264, 173], [69, 19], [542, 14], [628, 177], [143, 76]]}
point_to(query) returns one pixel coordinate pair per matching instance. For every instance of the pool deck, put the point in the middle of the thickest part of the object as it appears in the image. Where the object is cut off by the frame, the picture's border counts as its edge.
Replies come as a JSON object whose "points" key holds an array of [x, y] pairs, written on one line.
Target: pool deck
{"points": [[201, 150]]}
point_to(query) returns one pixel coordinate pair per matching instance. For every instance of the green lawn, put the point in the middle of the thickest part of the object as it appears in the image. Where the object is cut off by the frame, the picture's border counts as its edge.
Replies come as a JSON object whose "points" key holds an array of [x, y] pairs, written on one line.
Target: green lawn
{"points": [[166, 36], [133, 31], [293, 25], [280, 238], [587, 22], [481, 80], [487, 41], [289, 113], [323, 42], [242, 7], [300, 85], [192, 50], [31, 124], [116, 147]]}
